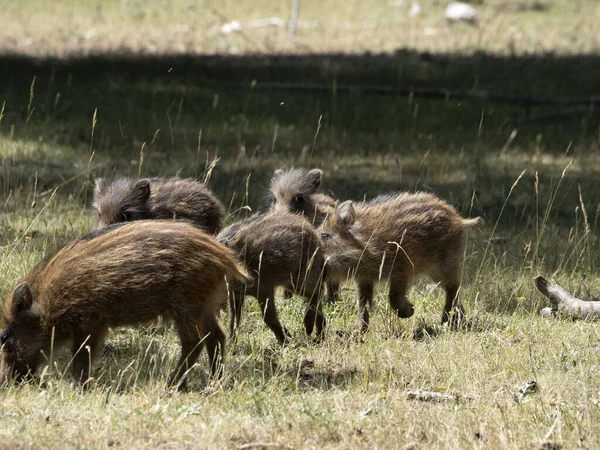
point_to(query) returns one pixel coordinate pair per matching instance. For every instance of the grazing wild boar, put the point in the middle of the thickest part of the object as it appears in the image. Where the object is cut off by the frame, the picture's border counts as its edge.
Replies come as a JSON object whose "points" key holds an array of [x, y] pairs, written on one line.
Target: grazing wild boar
{"points": [[125, 200], [121, 275], [279, 249], [297, 191], [396, 237]]}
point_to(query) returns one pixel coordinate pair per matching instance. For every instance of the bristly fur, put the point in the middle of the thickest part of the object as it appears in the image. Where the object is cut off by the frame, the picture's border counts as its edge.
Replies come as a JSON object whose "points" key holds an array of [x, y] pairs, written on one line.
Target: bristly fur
{"points": [[278, 249], [298, 191], [230, 232], [123, 275], [125, 199], [394, 238]]}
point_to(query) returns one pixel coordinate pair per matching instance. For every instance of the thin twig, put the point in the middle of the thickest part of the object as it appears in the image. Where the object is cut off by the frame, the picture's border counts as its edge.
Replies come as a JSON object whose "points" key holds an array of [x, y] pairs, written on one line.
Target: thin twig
{"points": [[432, 396]]}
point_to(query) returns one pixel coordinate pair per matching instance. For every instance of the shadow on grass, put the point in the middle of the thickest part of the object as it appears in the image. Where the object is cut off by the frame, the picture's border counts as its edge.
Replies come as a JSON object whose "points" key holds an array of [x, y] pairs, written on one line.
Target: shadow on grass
{"points": [[146, 114], [136, 95]]}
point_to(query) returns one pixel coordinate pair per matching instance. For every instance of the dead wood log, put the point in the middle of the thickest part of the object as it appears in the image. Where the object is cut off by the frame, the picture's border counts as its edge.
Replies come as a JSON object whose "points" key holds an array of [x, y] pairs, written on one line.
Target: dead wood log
{"points": [[565, 303]]}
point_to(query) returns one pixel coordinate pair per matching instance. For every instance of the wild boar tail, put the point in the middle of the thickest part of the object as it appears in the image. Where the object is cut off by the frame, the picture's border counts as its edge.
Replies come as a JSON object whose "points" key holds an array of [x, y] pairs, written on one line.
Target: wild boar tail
{"points": [[237, 271], [477, 221]]}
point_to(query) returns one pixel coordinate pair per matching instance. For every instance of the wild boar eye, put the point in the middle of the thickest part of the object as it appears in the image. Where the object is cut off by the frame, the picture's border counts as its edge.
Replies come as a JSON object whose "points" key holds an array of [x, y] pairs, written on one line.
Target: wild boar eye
{"points": [[325, 235], [4, 337], [124, 216], [298, 198]]}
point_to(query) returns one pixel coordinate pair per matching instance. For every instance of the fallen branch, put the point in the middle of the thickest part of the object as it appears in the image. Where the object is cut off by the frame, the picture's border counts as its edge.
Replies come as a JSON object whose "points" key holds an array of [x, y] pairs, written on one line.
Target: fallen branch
{"points": [[565, 303]]}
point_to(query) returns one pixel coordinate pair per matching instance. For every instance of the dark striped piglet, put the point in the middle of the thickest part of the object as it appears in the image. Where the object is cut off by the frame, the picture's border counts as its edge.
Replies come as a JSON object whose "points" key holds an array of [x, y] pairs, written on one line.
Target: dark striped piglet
{"points": [[126, 200]]}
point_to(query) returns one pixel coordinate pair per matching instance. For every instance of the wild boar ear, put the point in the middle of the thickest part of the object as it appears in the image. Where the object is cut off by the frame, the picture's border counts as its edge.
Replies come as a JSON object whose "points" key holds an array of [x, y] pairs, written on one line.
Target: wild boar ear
{"points": [[315, 177], [345, 213], [276, 175], [21, 299], [141, 191]]}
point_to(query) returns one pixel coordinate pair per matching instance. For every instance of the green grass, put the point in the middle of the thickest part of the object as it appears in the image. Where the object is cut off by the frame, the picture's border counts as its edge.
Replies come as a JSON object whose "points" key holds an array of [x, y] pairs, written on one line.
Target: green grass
{"points": [[134, 96]]}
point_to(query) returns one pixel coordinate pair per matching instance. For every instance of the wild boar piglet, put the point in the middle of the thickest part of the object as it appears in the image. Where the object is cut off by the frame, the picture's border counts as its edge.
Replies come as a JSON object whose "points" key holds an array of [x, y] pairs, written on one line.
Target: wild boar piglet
{"points": [[125, 200], [121, 275], [298, 191], [278, 249], [394, 238]]}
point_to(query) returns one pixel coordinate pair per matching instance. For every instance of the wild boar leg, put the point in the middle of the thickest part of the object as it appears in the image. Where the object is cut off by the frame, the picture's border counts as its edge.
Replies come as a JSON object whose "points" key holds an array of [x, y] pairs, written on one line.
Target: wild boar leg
{"points": [[86, 348], [191, 346], [236, 304], [312, 290], [398, 301], [452, 305], [266, 300], [215, 346], [333, 292], [314, 316], [365, 300]]}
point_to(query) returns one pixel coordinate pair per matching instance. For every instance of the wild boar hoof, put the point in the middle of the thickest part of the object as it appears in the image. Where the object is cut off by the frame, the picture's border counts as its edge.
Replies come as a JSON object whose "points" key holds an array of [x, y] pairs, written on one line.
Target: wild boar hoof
{"points": [[453, 318], [405, 311], [285, 337], [456, 319], [319, 338], [180, 385]]}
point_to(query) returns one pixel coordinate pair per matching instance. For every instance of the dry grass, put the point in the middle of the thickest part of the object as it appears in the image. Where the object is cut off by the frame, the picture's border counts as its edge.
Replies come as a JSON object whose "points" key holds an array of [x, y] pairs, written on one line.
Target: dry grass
{"points": [[341, 393], [192, 27]]}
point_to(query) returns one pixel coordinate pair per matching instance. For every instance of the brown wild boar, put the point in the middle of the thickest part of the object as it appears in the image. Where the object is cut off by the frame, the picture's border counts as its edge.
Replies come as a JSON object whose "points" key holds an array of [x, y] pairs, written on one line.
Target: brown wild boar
{"points": [[279, 249], [396, 237], [121, 275], [298, 191], [125, 200]]}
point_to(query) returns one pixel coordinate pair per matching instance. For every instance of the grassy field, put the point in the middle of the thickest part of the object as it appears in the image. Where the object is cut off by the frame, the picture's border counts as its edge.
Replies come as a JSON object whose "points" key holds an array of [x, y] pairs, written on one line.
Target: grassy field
{"points": [[135, 88]]}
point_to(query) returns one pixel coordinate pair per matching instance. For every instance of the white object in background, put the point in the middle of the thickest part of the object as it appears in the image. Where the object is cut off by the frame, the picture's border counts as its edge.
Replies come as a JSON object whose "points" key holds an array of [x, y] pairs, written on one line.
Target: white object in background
{"points": [[235, 25], [89, 34], [230, 27], [270, 22], [461, 12], [415, 9]]}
